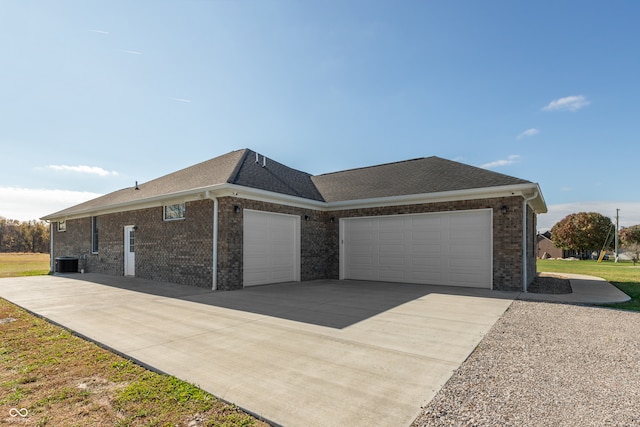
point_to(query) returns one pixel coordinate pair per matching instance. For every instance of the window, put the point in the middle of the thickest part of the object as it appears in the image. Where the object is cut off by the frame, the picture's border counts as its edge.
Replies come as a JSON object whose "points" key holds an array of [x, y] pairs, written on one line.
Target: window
{"points": [[94, 234], [172, 212], [62, 225], [132, 240]]}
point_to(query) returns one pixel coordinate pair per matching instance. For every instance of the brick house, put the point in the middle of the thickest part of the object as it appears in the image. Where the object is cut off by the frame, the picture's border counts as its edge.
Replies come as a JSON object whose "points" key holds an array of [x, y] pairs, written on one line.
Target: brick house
{"points": [[242, 219]]}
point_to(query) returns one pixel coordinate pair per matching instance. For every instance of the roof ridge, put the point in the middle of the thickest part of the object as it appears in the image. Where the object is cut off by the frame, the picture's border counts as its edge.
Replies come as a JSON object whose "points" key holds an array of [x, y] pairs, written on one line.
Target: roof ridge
{"points": [[236, 170], [375, 166]]}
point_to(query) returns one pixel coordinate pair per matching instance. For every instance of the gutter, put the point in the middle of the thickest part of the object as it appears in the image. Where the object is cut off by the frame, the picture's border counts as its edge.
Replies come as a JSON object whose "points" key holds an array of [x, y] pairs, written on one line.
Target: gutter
{"points": [[525, 202], [214, 266], [51, 263], [226, 189]]}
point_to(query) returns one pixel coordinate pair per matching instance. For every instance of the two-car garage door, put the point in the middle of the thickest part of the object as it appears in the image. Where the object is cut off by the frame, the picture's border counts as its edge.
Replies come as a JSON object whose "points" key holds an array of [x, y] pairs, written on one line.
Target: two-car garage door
{"points": [[445, 248]]}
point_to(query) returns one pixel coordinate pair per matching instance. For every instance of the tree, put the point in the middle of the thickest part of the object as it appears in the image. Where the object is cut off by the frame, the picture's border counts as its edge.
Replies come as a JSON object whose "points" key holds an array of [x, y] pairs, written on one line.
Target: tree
{"points": [[582, 232], [630, 239], [29, 236]]}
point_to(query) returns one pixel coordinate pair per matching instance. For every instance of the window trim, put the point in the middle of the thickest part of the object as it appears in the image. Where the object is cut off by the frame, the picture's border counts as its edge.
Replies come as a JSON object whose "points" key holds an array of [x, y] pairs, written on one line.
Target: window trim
{"points": [[62, 226], [94, 235], [181, 211]]}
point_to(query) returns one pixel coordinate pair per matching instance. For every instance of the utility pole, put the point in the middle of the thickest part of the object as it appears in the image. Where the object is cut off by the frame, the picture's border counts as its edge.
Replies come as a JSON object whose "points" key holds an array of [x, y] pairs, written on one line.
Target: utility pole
{"points": [[616, 236]]}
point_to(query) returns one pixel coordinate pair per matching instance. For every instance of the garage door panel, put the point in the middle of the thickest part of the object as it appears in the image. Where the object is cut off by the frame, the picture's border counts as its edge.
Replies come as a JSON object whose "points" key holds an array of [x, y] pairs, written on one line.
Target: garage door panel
{"points": [[363, 274], [392, 276], [451, 248], [257, 262], [466, 253], [392, 261], [363, 262], [390, 249], [425, 262], [426, 249], [387, 223], [426, 235], [466, 264], [363, 226], [464, 279], [462, 219], [391, 236], [426, 221], [467, 238], [361, 249], [425, 277]]}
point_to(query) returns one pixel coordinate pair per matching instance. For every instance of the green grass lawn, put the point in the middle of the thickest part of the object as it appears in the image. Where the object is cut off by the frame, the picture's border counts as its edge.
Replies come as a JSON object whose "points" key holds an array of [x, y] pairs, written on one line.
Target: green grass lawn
{"points": [[21, 264], [622, 274]]}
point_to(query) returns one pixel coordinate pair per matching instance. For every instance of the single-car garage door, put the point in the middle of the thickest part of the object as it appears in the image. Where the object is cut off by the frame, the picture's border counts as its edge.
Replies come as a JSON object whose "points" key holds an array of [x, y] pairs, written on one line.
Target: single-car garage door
{"points": [[445, 248], [271, 248]]}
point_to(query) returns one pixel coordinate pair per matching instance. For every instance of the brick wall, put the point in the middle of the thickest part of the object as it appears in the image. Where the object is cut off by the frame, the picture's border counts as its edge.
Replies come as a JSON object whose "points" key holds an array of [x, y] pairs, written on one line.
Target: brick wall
{"points": [[74, 242], [316, 253], [229, 244], [180, 251]]}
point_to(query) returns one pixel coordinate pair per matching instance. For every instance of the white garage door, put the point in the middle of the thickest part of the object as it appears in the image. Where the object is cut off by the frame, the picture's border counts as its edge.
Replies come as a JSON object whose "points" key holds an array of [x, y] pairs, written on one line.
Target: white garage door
{"points": [[271, 248], [450, 248]]}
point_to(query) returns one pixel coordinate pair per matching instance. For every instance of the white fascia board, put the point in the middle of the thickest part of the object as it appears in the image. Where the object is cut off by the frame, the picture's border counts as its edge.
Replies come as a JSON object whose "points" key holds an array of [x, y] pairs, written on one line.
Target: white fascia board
{"points": [[524, 190], [445, 196], [233, 190], [241, 192], [150, 202]]}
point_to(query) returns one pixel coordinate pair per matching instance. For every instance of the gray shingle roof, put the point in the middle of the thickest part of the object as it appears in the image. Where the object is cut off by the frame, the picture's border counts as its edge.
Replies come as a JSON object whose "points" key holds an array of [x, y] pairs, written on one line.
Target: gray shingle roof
{"points": [[208, 173], [418, 176], [274, 177]]}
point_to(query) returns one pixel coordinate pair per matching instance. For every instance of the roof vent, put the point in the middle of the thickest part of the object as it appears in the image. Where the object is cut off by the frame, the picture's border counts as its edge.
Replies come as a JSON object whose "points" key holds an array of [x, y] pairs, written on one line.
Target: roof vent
{"points": [[137, 188], [264, 160]]}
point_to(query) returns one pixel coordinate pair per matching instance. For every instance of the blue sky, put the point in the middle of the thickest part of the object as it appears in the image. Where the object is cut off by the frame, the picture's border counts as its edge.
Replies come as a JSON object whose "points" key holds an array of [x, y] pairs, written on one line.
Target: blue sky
{"points": [[95, 95]]}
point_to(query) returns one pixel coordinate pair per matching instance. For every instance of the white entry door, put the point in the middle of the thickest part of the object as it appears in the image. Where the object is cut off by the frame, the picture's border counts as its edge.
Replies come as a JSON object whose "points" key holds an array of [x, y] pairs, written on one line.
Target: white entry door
{"points": [[271, 248], [129, 250]]}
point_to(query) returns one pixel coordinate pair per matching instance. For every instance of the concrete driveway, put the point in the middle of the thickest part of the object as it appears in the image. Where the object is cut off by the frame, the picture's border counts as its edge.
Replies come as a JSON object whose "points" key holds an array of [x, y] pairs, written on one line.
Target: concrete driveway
{"points": [[318, 353]]}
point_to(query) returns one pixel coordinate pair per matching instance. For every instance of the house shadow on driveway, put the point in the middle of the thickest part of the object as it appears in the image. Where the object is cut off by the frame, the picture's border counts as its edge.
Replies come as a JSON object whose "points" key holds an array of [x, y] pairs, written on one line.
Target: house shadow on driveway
{"points": [[328, 303]]}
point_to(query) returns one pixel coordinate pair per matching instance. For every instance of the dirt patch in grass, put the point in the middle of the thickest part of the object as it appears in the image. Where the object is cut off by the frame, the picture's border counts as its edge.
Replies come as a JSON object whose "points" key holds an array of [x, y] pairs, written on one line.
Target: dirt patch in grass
{"points": [[62, 380], [545, 283]]}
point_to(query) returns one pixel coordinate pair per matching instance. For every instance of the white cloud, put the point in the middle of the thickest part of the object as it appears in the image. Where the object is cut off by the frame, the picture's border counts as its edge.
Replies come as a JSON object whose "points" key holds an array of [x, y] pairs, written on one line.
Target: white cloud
{"points": [[180, 99], [570, 103], [100, 31], [132, 52], [528, 133], [629, 212], [94, 170], [25, 204], [514, 158]]}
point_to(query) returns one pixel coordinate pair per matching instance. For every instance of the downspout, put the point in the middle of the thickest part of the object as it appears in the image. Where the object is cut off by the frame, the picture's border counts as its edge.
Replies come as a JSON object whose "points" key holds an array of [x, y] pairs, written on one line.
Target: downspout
{"points": [[51, 265], [214, 269], [525, 201]]}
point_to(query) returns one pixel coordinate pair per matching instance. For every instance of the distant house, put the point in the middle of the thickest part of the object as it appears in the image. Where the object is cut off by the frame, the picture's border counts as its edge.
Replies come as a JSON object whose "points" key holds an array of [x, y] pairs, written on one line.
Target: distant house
{"points": [[242, 219], [546, 248]]}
